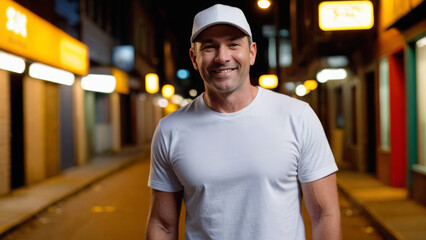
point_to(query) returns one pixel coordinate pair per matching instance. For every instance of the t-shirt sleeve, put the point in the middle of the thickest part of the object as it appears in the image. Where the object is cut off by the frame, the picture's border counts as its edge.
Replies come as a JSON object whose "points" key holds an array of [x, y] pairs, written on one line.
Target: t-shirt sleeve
{"points": [[162, 176], [316, 158]]}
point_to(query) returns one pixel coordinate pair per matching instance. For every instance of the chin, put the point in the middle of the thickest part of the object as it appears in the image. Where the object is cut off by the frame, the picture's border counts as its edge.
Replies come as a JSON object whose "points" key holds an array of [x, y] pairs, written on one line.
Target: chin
{"points": [[226, 88]]}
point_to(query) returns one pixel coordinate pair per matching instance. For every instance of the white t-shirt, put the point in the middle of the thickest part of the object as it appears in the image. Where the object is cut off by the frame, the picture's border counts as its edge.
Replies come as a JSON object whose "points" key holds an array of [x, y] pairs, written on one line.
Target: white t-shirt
{"points": [[241, 172]]}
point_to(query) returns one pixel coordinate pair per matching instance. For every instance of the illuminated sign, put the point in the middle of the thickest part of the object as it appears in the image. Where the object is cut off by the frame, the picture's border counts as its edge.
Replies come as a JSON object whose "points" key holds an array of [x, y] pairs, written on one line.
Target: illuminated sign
{"points": [[16, 22], [25, 34], [122, 81], [345, 15]]}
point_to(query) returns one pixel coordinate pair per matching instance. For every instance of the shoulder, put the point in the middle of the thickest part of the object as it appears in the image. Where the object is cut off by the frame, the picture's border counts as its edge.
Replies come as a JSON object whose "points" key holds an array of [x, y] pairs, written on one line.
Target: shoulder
{"points": [[182, 116], [284, 103]]}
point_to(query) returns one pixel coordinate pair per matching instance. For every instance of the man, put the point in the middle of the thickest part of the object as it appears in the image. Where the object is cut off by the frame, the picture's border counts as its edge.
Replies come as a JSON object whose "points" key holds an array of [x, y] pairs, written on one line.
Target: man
{"points": [[240, 156]]}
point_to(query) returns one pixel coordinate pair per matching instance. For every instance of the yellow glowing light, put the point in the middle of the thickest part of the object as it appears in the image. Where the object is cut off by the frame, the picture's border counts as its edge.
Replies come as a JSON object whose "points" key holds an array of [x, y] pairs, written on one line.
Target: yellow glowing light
{"points": [[73, 55], [264, 4], [310, 85], [122, 80], [151, 83], [11, 63], [345, 15], [168, 91], [268, 81], [99, 83], [51, 74], [171, 107], [25, 34]]}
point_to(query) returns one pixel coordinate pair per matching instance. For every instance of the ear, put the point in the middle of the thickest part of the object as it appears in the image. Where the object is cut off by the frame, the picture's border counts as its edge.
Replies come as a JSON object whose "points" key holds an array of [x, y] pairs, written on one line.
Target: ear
{"points": [[253, 52], [193, 57]]}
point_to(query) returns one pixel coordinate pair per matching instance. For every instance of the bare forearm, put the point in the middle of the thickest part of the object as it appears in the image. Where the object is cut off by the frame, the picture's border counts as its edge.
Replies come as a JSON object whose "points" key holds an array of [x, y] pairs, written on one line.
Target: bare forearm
{"points": [[322, 202], [158, 232], [327, 227], [163, 220]]}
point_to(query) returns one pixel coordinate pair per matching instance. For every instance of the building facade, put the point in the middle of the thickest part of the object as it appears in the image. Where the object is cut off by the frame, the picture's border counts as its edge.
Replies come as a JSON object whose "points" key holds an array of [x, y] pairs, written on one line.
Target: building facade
{"points": [[49, 126]]}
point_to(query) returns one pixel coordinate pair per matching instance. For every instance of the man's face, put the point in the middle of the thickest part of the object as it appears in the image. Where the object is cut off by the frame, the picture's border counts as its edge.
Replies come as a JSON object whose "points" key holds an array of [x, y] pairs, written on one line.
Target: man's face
{"points": [[222, 55]]}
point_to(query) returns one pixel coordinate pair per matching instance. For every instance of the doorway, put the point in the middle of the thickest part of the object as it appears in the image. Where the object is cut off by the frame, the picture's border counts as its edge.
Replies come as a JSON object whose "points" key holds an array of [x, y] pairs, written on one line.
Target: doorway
{"points": [[371, 124], [17, 132]]}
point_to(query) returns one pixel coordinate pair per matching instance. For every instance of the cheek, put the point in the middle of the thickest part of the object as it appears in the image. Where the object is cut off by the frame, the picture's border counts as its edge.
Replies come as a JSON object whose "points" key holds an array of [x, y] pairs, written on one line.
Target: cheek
{"points": [[204, 62], [243, 58]]}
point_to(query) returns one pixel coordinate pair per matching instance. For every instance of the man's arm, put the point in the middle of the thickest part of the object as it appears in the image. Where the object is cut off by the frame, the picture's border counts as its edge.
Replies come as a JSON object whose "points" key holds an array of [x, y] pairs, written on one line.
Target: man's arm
{"points": [[322, 202], [163, 220]]}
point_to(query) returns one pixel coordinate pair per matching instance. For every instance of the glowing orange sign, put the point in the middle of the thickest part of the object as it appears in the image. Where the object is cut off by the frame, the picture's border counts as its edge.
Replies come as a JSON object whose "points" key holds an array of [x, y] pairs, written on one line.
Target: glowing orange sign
{"points": [[26, 34], [345, 15]]}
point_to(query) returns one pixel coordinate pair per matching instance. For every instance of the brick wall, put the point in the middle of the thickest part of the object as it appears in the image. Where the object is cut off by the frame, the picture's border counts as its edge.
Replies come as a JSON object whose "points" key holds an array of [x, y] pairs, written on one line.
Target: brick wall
{"points": [[4, 132]]}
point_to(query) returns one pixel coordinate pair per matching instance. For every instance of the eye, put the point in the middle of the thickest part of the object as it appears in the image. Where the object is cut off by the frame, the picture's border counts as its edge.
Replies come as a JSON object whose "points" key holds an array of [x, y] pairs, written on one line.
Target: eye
{"points": [[234, 45], [207, 47]]}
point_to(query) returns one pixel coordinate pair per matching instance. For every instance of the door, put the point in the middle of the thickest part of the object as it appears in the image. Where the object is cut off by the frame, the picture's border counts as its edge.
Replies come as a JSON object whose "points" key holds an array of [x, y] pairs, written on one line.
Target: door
{"points": [[66, 127], [371, 123], [17, 132]]}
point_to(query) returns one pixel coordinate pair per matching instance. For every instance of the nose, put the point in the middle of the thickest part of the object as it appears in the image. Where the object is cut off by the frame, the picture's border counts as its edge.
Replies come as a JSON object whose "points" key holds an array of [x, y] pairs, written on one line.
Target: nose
{"points": [[222, 55]]}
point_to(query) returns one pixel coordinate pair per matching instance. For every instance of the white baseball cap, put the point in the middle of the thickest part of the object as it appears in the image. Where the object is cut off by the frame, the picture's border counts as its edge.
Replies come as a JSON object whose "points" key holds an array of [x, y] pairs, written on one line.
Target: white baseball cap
{"points": [[220, 14]]}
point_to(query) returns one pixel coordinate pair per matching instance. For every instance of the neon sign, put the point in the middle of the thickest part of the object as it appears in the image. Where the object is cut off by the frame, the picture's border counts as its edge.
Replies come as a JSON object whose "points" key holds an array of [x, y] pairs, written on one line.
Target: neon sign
{"points": [[345, 15]]}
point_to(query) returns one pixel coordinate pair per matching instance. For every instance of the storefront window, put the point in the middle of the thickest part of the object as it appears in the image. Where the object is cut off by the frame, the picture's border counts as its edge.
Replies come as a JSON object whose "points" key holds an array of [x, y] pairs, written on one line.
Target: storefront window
{"points": [[384, 105], [421, 99]]}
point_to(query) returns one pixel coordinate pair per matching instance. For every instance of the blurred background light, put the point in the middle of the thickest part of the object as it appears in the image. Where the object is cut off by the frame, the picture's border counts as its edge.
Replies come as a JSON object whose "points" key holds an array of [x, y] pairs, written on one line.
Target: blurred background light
{"points": [[421, 42], [331, 74], [171, 107], [98, 83], [268, 81], [162, 102], [264, 4], [168, 91], [123, 57], [51, 74], [177, 99], [301, 90], [289, 86], [193, 93], [310, 85], [182, 74], [151, 83], [337, 61], [11, 63], [185, 102], [345, 15]]}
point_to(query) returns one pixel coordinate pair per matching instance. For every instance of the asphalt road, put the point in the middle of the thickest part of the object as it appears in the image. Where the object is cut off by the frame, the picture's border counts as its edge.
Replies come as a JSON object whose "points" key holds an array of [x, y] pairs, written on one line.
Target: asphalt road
{"points": [[117, 208]]}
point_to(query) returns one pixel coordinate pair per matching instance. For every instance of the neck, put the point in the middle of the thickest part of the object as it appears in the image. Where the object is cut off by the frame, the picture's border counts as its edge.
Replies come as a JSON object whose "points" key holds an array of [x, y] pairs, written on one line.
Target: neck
{"points": [[230, 102]]}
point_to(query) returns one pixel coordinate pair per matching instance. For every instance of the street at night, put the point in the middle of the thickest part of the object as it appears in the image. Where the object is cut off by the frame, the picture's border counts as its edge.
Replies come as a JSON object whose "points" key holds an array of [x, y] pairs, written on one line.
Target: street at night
{"points": [[117, 208]]}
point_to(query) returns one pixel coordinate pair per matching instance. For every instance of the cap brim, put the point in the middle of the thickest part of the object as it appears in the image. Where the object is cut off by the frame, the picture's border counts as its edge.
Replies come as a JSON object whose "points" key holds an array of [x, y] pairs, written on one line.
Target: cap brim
{"points": [[195, 34]]}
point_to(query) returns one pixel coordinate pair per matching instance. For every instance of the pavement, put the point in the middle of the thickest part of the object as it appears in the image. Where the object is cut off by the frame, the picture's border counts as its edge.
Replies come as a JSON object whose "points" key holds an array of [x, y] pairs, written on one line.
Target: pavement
{"points": [[393, 213], [391, 210], [24, 203]]}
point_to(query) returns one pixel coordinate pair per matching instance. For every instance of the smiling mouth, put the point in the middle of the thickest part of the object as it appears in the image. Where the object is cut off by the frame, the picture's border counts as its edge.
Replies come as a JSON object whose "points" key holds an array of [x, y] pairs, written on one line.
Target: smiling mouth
{"points": [[223, 70]]}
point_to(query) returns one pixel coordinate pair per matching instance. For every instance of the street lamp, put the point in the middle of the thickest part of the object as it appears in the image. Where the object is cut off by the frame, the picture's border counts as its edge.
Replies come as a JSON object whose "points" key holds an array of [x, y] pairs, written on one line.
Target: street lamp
{"points": [[264, 4]]}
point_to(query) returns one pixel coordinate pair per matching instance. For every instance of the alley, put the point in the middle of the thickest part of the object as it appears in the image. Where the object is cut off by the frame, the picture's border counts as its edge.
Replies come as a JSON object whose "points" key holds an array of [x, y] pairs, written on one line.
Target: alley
{"points": [[117, 208]]}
